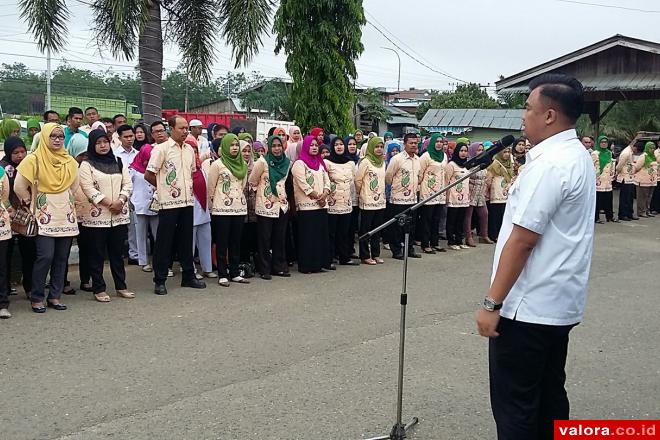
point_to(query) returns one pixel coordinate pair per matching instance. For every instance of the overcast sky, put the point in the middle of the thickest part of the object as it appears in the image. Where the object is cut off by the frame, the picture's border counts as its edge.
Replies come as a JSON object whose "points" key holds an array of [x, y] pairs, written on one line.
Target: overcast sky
{"points": [[472, 40]]}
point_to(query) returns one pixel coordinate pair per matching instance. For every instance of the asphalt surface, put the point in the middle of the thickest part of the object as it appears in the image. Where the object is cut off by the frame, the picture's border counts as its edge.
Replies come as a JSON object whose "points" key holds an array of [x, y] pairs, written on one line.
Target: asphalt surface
{"points": [[315, 356]]}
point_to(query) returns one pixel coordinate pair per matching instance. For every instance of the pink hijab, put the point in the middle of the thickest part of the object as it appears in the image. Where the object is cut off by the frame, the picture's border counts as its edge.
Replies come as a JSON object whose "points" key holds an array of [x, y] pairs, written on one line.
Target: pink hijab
{"points": [[142, 159], [313, 162]]}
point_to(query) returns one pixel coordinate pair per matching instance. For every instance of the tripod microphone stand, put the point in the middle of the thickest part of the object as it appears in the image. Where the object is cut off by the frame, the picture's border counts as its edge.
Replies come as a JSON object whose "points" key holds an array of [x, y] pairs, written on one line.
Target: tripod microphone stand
{"points": [[405, 219]]}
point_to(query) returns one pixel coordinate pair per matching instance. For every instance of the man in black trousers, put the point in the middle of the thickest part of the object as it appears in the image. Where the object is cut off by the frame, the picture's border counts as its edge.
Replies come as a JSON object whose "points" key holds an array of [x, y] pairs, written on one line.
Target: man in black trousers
{"points": [[541, 266], [170, 171]]}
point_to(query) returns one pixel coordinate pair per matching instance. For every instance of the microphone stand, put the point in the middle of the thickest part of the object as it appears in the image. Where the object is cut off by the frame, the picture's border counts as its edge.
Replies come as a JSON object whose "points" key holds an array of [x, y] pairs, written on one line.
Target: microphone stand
{"points": [[404, 219]]}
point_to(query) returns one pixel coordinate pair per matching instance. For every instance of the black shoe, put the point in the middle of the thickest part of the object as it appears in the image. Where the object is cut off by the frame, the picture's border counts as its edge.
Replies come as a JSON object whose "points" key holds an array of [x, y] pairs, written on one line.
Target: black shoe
{"points": [[41, 309], [350, 263], [634, 217], [414, 255], [331, 267], [625, 219], [282, 274], [265, 276], [85, 288], [71, 291], [160, 289], [56, 306], [613, 220], [600, 222], [132, 262], [397, 256], [194, 284]]}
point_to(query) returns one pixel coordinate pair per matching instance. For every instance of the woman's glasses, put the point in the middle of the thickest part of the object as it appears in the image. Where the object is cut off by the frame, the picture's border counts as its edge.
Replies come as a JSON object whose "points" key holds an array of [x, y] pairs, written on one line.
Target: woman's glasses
{"points": [[56, 137]]}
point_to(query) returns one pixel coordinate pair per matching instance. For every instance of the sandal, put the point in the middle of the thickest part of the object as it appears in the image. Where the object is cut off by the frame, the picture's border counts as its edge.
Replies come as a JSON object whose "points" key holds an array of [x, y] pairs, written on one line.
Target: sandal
{"points": [[240, 280], [125, 294], [369, 261], [102, 297], [379, 261], [224, 282], [429, 251]]}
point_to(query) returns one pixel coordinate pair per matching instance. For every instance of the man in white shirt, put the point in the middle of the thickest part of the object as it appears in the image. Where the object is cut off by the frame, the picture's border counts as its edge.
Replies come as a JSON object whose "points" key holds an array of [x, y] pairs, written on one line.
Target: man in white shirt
{"points": [[541, 266], [196, 129], [126, 152]]}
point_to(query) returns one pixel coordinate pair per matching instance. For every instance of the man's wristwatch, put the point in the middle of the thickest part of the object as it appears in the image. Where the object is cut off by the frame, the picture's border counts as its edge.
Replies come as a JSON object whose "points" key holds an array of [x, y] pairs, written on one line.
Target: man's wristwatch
{"points": [[491, 305]]}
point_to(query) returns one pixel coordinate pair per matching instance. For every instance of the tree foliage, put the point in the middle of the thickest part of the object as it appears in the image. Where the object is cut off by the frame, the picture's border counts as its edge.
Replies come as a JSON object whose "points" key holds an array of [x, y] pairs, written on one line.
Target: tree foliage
{"points": [[465, 96], [322, 40], [624, 120], [273, 96], [372, 105]]}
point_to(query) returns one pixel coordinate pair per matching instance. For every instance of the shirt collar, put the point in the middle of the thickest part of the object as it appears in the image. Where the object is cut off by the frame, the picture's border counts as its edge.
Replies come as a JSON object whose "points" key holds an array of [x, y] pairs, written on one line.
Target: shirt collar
{"points": [[550, 143], [122, 150]]}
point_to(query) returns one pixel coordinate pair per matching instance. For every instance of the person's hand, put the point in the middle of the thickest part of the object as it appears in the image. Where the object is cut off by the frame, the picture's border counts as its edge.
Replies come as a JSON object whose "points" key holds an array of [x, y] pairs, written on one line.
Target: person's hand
{"points": [[487, 323], [313, 195], [116, 207], [272, 199]]}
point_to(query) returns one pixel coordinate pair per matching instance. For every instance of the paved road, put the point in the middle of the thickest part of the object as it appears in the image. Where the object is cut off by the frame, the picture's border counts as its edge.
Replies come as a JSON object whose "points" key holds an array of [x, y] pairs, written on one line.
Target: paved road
{"points": [[315, 356]]}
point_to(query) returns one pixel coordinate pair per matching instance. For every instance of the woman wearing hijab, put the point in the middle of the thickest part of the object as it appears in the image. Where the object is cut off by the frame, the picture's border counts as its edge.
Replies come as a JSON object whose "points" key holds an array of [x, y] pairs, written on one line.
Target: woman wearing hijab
{"points": [[33, 127], [5, 238], [311, 186], [201, 216], [295, 137], [388, 136], [78, 150], [645, 177], [107, 185], [8, 128], [432, 178], [604, 167], [353, 155], [268, 176], [319, 135], [141, 198], [142, 137], [226, 183], [499, 177], [324, 151], [341, 171], [246, 137], [259, 149], [370, 186], [281, 132], [519, 153], [477, 201], [15, 152], [392, 148], [209, 131], [458, 197], [249, 234], [56, 175], [238, 130]]}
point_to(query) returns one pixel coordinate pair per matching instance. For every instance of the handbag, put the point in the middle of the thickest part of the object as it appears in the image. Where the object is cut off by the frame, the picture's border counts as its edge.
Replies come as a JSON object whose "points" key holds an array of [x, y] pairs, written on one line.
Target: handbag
{"points": [[154, 206], [25, 220]]}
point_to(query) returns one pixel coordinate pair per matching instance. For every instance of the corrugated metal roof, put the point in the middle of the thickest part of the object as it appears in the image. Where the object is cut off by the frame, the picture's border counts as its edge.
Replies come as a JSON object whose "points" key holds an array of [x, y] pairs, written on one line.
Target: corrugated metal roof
{"points": [[506, 119], [608, 83], [407, 120]]}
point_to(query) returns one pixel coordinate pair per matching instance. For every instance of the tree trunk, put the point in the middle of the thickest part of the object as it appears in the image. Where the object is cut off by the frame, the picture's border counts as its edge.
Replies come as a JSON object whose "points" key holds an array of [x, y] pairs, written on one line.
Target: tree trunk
{"points": [[150, 54]]}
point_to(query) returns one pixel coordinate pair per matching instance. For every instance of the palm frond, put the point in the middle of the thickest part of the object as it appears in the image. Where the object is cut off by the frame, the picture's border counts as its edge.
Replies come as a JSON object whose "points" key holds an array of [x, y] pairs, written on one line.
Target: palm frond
{"points": [[243, 24], [46, 20], [118, 24], [195, 29]]}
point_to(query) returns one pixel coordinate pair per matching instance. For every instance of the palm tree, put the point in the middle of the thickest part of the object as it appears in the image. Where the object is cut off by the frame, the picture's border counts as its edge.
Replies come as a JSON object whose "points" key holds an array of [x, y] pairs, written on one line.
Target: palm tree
{"points": [[194, 25]]}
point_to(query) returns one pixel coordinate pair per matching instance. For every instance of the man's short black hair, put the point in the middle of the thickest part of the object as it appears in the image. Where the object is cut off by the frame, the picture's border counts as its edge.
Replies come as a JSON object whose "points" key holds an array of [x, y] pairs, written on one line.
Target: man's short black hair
{"points": [[74, 111], [50, 112], [565, 90], [409, 136], [219, 127], [107, 120], [590, 137], [123, 128], [91, 108], [115, 117], [155, 124]]}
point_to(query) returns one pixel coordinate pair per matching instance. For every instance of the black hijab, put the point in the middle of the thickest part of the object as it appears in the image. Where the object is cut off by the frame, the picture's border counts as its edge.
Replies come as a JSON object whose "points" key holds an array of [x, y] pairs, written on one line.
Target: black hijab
{"points": [[338, 158], [455, 157], [355, 157], [12, 143], [105, 163], [238, 130], [139, 144]]}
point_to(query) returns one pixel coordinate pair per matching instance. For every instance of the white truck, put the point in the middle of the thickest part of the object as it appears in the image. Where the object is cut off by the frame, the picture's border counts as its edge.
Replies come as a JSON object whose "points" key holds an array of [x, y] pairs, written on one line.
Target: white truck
{"points": [[264, 126]]}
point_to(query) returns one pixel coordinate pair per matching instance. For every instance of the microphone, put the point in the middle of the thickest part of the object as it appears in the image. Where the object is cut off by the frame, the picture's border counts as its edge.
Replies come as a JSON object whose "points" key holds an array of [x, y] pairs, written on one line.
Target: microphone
{"points": [[484, 159]]}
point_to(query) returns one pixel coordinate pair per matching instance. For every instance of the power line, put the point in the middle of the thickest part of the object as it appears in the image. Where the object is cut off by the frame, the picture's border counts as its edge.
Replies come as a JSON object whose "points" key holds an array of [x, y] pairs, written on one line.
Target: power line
{"points": [[625, 8]]}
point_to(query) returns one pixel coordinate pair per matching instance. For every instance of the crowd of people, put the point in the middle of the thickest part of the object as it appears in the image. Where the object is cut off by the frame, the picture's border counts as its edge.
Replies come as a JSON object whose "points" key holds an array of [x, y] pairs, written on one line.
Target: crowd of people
{"points": [[226, 206]]}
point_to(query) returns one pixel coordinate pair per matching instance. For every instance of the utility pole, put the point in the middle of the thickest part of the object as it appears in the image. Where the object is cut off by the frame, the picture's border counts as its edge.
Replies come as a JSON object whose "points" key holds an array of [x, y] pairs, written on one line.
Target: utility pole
{"points": [[48, 75], [185, 101], [398, 83]]}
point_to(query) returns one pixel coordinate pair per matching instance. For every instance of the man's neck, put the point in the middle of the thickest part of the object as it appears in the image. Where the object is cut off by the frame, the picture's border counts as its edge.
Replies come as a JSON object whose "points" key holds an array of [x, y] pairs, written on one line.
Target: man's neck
{"points": [[127, 149], [73, 130]]}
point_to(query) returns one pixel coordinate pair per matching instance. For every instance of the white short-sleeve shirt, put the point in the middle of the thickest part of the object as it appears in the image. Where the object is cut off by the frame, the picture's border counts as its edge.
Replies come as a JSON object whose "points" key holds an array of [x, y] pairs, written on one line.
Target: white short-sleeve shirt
{"points": [[554, 196]]}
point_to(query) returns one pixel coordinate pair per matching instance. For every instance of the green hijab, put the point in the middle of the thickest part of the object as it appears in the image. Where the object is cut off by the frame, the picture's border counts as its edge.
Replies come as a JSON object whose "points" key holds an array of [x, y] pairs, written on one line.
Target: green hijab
{"points": [[436, 155], [464, 140], [7, 126], [377, 160], [235, 164], [32, 123], [604, 154], [278, 166], [388, 134], [245, 137], [649, 149]]}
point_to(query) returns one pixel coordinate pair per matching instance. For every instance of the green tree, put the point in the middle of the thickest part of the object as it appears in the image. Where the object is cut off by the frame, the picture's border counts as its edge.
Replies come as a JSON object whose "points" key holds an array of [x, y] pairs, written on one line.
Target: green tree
{"points": [[17, 85], [194, 25], [272, 96], [372, 105], [465, 96], [321, 39], [624, 120]]}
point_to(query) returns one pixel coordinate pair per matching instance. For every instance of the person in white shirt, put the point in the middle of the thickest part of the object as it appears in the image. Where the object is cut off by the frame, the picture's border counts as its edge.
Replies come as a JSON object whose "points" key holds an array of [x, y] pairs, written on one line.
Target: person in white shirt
{"points": [[541, 266], [126, 152], [196, 129]]}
